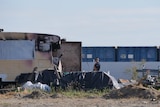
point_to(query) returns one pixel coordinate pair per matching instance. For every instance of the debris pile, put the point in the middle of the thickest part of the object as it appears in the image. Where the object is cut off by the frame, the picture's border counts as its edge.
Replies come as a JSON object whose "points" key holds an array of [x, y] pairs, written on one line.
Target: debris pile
{"points": [[134, 91], [37, 94]]}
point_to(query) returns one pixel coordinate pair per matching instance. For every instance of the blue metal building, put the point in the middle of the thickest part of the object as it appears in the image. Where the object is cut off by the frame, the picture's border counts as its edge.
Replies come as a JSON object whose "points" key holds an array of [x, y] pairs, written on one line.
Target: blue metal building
{"points": [[105, 54], [118, 60]]}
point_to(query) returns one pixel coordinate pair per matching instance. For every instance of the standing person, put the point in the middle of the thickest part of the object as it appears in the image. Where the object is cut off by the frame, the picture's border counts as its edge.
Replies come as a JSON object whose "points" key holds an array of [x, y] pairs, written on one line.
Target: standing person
{"points": [[96, 65], [35, 70], [34, 75]]}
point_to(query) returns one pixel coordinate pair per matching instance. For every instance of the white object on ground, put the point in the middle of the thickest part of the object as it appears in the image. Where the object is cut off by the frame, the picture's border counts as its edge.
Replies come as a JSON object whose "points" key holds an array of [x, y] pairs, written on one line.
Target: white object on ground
{"points": [[30, 85]]}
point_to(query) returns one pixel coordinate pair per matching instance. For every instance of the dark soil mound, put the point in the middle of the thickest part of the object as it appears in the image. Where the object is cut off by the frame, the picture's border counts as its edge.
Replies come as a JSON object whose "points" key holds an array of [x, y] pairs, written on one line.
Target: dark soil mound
{"points": [[37, 95], [57, 95], [133, 91]]}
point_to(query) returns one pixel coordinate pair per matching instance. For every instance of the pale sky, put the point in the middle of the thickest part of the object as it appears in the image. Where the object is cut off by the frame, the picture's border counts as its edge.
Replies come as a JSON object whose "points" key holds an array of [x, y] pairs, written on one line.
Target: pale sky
{"points": [[93, 22]]}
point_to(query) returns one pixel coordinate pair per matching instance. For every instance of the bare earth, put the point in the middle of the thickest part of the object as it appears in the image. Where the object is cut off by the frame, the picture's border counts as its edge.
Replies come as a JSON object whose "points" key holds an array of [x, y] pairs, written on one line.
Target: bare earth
{"points": [[77, 102], [131, 96]]}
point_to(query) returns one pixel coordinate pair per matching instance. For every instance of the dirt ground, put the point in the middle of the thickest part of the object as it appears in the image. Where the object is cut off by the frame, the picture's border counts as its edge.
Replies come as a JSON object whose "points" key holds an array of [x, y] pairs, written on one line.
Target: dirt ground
{"points": [[131, 96], [77, 102]]}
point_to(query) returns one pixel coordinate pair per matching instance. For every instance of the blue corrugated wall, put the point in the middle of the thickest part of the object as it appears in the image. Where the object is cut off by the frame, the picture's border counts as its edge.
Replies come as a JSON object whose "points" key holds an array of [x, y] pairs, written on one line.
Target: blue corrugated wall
{"points": [[120, 54]]}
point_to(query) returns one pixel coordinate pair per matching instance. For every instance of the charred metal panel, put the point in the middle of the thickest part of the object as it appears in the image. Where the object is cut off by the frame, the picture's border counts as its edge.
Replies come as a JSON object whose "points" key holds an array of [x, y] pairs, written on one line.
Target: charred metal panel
{"points": [[71, 59], [43, 55], [12, 68], [43, 60], [28, 36], [44, 42]]}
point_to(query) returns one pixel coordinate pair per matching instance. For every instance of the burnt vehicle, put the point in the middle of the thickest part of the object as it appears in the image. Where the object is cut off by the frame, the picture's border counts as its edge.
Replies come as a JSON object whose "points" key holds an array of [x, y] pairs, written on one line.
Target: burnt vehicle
{"points": [[21, 53]]}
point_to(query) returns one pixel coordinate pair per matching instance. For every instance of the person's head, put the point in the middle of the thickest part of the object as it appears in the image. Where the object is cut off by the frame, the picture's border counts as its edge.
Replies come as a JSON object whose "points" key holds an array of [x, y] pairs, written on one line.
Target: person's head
{"points": [[35, 68], [97, 59]]}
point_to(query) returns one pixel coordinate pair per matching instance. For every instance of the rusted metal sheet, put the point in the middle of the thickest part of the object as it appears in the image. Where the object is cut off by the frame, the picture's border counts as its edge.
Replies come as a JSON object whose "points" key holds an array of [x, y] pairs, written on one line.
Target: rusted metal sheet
{"points": [[71, 59]]}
